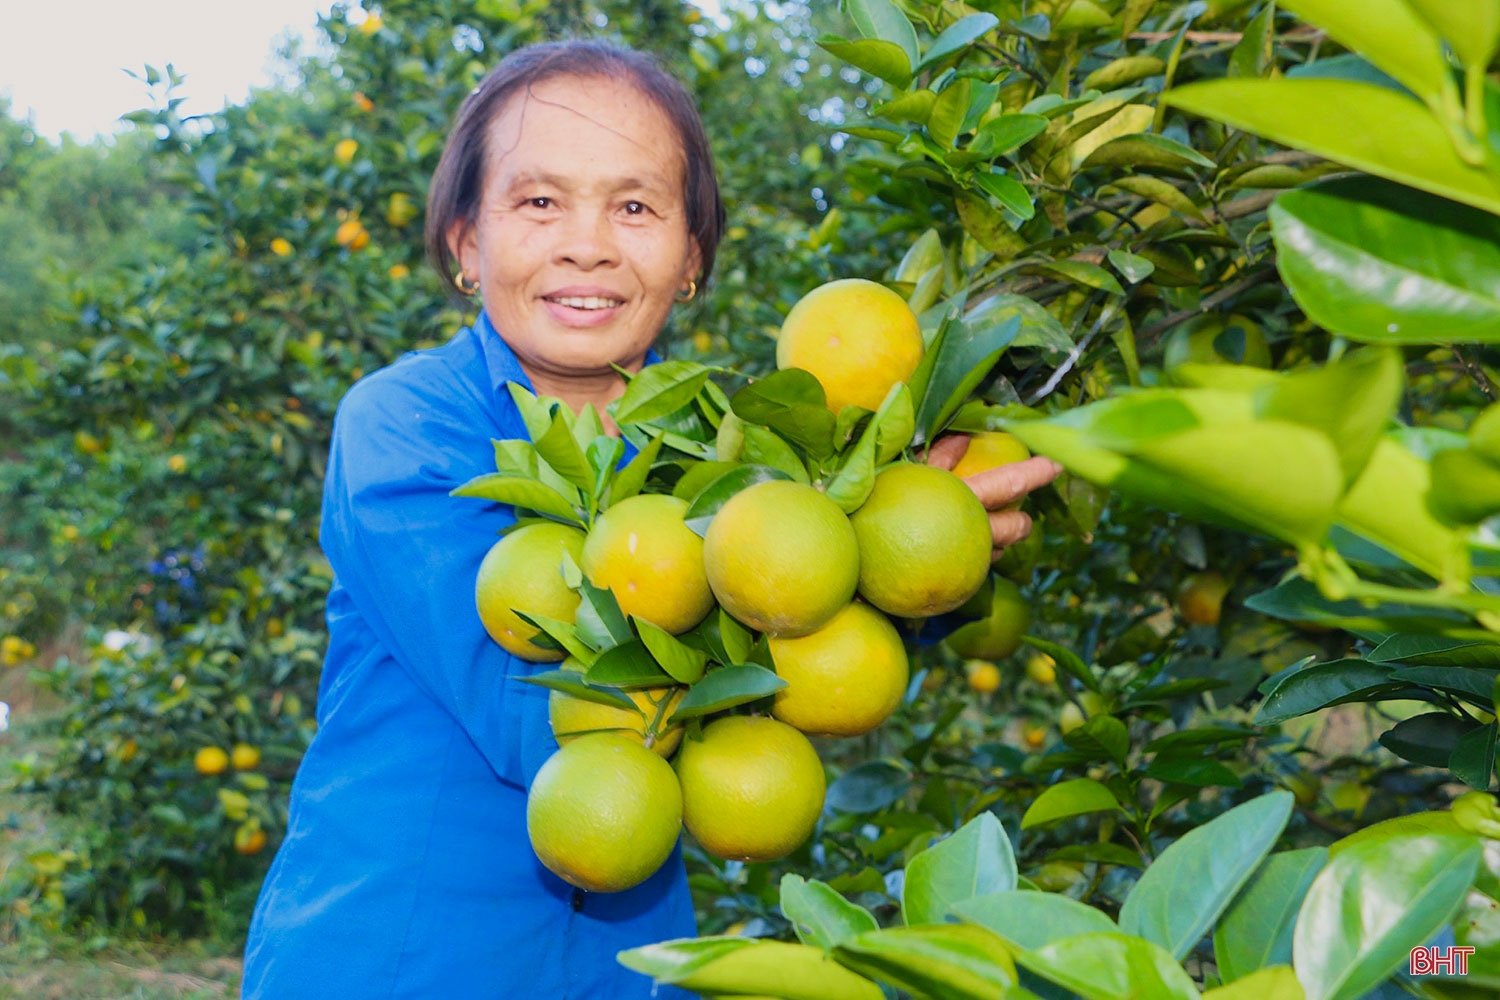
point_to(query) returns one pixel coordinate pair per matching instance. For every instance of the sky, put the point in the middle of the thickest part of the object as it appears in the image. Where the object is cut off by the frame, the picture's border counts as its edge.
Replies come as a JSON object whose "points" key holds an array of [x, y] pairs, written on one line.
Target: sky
{"points": [[64, 62]]}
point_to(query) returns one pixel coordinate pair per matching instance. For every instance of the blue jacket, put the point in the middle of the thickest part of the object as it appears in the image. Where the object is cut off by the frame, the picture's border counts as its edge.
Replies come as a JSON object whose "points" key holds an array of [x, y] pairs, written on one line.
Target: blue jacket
{"points": [[406, 870]]}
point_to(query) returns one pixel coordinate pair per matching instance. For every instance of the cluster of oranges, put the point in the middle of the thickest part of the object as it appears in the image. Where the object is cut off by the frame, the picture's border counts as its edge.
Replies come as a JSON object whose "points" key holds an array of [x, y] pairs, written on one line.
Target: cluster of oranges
{"points": [[824, 588]]}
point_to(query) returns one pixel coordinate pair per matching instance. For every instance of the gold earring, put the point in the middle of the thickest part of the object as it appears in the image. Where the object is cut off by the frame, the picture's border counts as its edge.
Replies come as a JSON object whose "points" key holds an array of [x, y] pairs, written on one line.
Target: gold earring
{"points": [[692, 293], [465, 288]]}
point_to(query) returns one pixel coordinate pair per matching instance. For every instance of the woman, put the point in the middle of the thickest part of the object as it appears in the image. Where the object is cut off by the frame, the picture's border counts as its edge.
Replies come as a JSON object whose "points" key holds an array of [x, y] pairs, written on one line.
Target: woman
{"points": [[577, 197]]}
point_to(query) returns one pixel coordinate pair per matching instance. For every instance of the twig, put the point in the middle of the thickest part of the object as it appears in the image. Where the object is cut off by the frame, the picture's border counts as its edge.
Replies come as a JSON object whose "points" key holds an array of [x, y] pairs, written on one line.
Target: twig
{"points": [[1476, 372], [1149, 334], [1302, 34]]}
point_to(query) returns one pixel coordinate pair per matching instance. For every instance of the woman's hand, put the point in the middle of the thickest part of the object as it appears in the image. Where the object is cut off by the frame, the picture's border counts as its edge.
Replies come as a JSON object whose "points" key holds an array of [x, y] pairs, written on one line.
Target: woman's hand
{"points": [[998, 488]]}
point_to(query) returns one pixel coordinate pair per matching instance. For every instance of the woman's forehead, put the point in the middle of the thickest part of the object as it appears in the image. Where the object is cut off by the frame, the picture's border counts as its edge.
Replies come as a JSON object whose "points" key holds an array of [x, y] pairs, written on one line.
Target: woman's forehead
{"points": [[566, 126]]}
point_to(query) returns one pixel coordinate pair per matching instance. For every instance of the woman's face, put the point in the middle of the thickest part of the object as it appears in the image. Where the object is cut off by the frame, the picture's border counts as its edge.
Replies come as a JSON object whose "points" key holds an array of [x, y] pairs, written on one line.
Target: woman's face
{"points": [[581, 238]]}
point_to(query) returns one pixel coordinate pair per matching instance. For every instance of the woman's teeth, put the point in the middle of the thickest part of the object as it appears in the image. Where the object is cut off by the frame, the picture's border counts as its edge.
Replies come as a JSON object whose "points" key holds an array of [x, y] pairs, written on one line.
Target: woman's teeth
{"points": [[585, 302]]}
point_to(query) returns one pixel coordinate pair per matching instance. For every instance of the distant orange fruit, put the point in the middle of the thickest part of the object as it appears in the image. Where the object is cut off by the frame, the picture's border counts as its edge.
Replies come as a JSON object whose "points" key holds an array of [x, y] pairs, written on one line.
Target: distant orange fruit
{"points": [[210, 761], [1200, 599]]}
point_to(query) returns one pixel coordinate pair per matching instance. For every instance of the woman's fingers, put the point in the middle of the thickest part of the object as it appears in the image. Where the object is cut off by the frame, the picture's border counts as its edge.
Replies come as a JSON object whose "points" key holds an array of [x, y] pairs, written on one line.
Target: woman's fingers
{"points": [[947, 450], [1007, 527], [1005, 484]]}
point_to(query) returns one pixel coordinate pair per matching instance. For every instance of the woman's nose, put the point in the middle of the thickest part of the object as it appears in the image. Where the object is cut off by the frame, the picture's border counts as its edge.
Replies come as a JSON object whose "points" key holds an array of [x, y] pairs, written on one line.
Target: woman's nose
{"points": [[587, 240]]}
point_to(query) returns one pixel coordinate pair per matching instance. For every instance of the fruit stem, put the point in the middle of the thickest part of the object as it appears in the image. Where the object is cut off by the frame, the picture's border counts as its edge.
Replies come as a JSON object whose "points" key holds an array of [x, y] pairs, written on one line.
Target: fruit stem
{"points": [[653, 728]]}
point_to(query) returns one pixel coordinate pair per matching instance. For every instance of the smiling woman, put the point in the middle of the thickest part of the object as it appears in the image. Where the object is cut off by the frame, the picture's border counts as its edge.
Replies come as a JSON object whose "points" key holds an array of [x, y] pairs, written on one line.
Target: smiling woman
{"points": [[576, 197]]}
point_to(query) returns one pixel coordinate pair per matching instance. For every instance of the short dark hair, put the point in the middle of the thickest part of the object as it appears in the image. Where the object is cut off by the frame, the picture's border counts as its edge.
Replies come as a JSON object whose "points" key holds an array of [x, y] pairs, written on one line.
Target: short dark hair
{"points": [[453, 196]]}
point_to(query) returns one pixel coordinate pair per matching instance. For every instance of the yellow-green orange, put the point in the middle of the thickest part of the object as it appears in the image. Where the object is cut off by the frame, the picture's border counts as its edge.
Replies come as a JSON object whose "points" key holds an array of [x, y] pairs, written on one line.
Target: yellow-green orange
{"points": [[1212, 339], [924, 541], [781, 557], [572, 717], [844, 679], [857, 337], [997, 634], [523, 572], [752, 788], [990, 450], [1200, 599], [643, 551], [604, 812]]}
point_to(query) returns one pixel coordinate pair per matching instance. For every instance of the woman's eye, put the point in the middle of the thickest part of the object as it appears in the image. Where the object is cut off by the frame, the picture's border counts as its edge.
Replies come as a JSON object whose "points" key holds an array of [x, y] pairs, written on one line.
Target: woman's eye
{"points": [[635, 208], [539, 202]]}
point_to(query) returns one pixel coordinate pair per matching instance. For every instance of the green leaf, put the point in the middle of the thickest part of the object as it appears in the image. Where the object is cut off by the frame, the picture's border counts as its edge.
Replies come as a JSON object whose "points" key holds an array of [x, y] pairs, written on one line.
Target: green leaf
{"points": [[1081, 273], [958, 961], [563, 633], [1254, 52], [956, 37], [599, 621], [1473, 758], [1473, 29], [630, 480], [523, 494], [1028, 920], [882, 19], [850, 487], [915, 107], [1178, 898], [1039, 328], [1350, 400], [1147, 150], [987, 225], [1378, 262], [1389, 34], [975, 861], [1122, 71], [885, 60], [558, 449], [516, 458], [948, 113], [726, 687], [1103, 738], [763, 446], [627, 665], [683, 663], [1386, 505], [1321, 685], [868, 787], [1070, 798], [1299, 113], [1429, 738], [1134, 267], [1071, 663], [1256, 930], [740, 966], [962, 360], [535, 413], [1465, 486], [658, 389], [895, 423], [1111, 966], [571, 682], [1007, 133], [1373, 903], [791, 402], [1011, 193], [1196, 771], [820, 916], [1476, 682], [1275, 982]]}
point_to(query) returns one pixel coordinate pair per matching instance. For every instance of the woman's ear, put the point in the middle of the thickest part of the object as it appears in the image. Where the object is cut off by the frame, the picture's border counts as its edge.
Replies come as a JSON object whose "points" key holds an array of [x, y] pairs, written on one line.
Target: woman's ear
{"points": [[694, 269], [464, 246]]}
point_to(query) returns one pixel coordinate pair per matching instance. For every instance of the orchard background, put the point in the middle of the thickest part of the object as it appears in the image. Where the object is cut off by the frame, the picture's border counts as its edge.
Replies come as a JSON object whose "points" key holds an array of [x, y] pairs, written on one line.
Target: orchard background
{"points": [[183, 309]]}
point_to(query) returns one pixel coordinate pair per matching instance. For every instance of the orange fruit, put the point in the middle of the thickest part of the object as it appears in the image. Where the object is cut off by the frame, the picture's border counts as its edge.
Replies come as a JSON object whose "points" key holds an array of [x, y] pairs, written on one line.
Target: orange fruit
{"points": [[642, 551], [997, 634], [843, 679], [752, 788], [572, 717], [984, 676], [1200, 599], [210, 760], [781, 557], [244, 757], [924, 541], [990, 450], [249, 840], [857, 337], [603, 813], [523, 572]]}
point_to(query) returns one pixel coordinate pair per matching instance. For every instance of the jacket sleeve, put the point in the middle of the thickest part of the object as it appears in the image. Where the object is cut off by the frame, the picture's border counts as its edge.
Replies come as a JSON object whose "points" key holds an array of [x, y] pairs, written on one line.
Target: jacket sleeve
{"points": [[407, 553]]}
